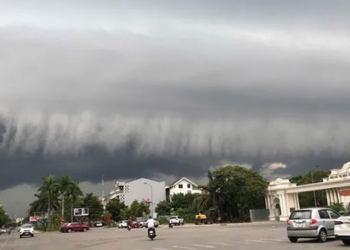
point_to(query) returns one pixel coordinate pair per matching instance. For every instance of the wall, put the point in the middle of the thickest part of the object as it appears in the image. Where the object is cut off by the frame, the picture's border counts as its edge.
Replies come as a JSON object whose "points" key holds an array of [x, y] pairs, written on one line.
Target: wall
{"points": [[137, 190], [184, 189]]}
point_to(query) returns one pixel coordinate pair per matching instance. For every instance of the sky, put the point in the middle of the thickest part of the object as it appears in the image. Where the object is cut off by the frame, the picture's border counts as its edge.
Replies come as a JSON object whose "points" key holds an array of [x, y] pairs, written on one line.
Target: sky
{"points": [[165, 89]]}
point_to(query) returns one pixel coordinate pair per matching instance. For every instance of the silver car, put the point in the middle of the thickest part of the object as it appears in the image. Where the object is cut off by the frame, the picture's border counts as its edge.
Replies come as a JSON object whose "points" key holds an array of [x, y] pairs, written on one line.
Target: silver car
{"points": [[311, 223]]}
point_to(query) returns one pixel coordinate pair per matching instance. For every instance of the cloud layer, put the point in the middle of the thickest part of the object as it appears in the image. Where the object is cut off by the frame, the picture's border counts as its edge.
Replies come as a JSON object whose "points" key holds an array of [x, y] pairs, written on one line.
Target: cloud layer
{"points": [[129, 89]]}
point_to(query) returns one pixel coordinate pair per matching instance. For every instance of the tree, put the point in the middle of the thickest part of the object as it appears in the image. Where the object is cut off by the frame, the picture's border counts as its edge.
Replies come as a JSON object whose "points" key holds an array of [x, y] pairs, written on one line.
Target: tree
{"points": [[95, 206], [115, 208], [164, 208], [49, 191], [65, 187], [232, 191], [4, 218], [138, 208], [308, 199]]}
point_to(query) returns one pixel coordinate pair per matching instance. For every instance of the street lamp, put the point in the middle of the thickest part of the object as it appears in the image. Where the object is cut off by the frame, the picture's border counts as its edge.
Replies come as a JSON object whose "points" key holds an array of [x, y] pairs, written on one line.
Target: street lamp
{"points": [[151, 196], [312, 180]]}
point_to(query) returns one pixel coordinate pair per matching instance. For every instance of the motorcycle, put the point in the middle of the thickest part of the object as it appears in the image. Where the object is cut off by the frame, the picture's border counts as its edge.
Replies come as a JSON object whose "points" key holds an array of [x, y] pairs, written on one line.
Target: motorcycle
{"points": [[151, 233], [129, 227]]}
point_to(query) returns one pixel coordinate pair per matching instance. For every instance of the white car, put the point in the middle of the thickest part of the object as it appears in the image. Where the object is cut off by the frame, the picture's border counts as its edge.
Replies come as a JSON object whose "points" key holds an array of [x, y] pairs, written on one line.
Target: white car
{"points": [[176, 220], [26, 230], [342, 228], [123, 224]]}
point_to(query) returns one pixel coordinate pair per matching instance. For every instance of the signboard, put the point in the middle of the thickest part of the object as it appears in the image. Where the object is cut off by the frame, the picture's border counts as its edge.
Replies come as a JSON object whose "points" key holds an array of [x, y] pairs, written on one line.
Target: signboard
{"points": [[344, 192], [81, 211], [34, 218]]}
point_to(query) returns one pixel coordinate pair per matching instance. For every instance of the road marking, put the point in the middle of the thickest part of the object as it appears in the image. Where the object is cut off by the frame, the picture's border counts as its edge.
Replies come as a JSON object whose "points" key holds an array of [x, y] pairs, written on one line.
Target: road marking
{"points": [[258, 241], [274, 239], [186, 248], [206, 246], [221, 244], [160, 248], [4, 244]]}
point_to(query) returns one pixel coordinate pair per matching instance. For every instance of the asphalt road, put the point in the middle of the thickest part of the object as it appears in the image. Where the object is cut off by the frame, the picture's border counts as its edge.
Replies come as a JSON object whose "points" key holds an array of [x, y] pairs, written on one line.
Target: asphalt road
{"points": [[260, 236]]}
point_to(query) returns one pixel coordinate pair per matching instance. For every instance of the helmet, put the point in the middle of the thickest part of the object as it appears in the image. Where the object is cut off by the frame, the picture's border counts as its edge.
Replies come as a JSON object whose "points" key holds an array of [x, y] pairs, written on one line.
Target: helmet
{"points": [[149, 217]]}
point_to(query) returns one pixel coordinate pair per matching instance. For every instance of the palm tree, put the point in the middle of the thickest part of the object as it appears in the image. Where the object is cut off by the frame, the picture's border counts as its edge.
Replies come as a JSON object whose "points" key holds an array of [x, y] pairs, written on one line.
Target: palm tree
{"points": [[48, 190], [73, 193], [65, 186]]}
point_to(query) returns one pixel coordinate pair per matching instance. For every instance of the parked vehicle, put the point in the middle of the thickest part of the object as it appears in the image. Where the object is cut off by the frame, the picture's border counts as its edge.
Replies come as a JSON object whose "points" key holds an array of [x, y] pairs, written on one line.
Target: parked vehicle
{"points": [[311, 223], [176, 220], [135, 224], [26, 230], [74, 226], [123, 224], [342, 228], [98, 224]]}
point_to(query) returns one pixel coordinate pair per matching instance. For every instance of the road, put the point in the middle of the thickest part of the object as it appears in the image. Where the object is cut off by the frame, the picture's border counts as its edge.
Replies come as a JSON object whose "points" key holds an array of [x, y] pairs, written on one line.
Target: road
{"points": [[260, 236]]}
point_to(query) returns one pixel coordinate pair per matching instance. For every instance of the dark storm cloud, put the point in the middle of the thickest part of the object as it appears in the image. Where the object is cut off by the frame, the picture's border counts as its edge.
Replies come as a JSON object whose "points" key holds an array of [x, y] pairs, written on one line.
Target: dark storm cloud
{"points": [[144, 88]]}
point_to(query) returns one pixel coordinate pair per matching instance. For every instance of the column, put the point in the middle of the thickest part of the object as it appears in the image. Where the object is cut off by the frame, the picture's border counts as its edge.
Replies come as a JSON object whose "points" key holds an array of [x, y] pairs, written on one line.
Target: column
{"points": [[337, 194], [266, 203], [328, 197], [298, 203]]}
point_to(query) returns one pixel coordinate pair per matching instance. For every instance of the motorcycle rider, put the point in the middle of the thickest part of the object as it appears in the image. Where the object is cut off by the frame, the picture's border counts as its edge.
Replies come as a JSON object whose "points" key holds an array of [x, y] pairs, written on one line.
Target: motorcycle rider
{"points": [[151, 224], [129, 223]]}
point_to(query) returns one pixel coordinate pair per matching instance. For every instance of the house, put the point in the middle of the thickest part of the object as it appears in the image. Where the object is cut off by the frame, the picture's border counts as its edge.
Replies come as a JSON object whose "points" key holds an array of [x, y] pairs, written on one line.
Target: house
{"points": [[140, 189], [182, 186]]}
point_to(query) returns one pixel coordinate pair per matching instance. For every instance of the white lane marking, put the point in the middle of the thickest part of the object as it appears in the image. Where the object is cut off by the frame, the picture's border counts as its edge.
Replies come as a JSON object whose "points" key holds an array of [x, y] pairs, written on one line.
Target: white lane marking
{"points": [[206, 246], [259, 241], [222, 244], [4, 244], [186, 248], [274, 239]]}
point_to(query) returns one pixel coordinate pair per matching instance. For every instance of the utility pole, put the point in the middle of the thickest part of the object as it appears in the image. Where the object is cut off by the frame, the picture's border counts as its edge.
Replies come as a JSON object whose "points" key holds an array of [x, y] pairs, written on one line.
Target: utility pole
{"points": [[103, 191], [312, 180]]}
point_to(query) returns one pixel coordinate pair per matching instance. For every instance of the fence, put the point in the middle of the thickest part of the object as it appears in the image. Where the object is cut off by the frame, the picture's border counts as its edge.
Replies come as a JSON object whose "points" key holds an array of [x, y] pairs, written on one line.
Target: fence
{"points": [[262, 214]]}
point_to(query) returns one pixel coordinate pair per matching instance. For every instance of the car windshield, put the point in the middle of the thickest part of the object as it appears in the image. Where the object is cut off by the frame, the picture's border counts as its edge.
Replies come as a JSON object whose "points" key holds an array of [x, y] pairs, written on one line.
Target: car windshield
{"points": [[300, 214], [27, 226]]}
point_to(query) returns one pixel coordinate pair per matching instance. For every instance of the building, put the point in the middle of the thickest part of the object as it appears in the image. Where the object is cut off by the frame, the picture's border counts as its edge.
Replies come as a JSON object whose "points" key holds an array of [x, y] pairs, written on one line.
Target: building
{"points": [[140, 189], [182, 186], [282, 196]]}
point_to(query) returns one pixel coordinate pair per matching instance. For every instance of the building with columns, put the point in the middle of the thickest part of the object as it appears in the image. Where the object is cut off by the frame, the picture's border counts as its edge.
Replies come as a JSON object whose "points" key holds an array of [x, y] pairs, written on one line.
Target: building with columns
{"points": [[282, 196]]}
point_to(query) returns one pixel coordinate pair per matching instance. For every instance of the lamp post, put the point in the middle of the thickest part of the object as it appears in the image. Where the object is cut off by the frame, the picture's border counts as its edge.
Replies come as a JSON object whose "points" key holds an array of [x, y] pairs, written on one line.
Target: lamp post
{"points": [[151, 196], [312, 180]]}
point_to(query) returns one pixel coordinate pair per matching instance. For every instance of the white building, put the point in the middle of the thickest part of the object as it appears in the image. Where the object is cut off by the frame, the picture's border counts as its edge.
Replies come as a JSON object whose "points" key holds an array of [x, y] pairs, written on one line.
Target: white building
{"points": [[140, 189], [282, 196], [182, 186]]}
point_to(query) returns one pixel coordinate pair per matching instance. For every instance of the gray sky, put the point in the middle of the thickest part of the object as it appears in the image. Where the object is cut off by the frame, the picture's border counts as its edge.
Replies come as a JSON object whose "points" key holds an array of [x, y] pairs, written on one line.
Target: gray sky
{"points": [[164, 89]]}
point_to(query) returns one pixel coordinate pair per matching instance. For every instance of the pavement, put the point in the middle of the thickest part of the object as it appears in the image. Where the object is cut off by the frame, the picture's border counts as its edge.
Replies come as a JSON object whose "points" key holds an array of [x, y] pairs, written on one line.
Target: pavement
{"points": [[247, 236]]}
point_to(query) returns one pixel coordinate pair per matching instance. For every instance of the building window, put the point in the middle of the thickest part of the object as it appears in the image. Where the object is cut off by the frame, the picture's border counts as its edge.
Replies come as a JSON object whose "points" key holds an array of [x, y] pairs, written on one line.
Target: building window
{"points": [[180, 186], [188, 185]]}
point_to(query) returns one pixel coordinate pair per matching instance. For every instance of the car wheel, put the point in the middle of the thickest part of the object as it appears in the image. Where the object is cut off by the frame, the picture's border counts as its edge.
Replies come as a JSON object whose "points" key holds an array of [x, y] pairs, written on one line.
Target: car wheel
{"points": [[20, 236], [293, 239], [84, 230], [346, 242], [69, 230], [32, 235], [322, 236]]}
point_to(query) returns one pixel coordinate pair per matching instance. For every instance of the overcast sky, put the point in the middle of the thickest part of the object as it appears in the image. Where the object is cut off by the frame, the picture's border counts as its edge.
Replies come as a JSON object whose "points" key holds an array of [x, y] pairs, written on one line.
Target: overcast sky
{"points": [[164, 89]]}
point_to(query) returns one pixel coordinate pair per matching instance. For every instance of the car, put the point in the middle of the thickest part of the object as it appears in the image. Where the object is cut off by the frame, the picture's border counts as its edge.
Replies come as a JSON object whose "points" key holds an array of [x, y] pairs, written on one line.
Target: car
{"points": [[26, 230], [74, 226], [342, 228], [123, 224], [135, 224], [315, 223], [176, 220], [98, 224]]}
